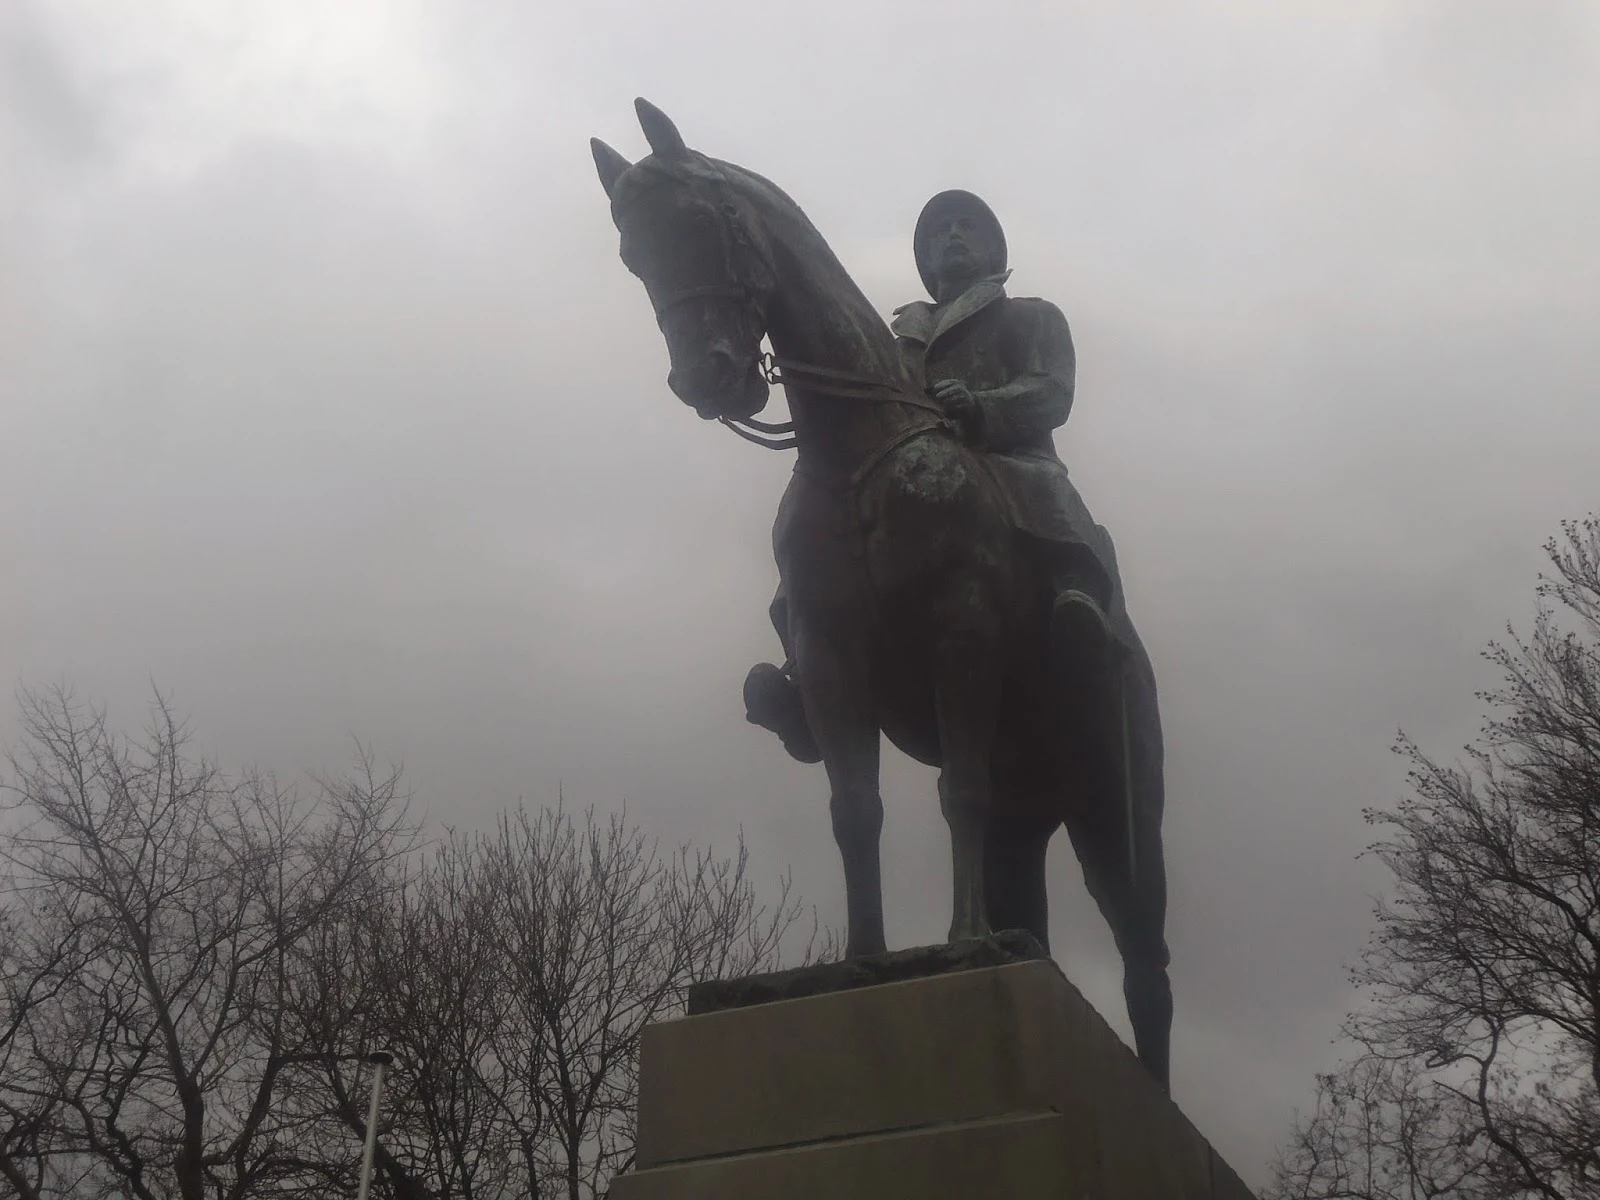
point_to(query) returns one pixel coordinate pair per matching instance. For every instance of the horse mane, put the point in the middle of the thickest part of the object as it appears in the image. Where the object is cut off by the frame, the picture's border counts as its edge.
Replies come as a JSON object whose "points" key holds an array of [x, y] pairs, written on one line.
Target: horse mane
{"points": [[695, 167], [780, 216]]}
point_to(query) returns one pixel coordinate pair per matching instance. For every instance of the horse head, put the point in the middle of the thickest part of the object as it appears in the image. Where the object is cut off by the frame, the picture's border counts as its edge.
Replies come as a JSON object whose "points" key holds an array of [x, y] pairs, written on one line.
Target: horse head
{"points": [[690, 235]]}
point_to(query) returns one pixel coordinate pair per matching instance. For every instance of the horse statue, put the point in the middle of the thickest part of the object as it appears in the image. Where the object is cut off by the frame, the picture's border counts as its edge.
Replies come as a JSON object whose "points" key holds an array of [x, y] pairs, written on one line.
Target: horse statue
{"points": [[912, 614]]}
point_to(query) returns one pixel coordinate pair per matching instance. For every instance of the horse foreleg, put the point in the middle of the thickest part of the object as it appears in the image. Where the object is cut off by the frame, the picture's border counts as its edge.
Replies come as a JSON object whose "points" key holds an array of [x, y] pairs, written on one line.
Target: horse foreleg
{"points": [[967, 701], [835, 688]]}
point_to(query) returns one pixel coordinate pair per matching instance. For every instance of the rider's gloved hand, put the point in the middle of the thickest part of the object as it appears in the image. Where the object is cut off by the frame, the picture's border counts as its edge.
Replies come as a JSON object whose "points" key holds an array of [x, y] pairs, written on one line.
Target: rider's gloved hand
{"points": [[961, 404]]}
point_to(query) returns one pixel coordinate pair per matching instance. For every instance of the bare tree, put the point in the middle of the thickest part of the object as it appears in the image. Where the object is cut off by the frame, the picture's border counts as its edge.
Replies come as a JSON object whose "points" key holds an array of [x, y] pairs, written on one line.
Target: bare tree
{"points": [[513, 975], [604, 935], [1379, 1131], [193, 966], [413, 968], [165, 1047], [1482, 1035], [33, 970]]}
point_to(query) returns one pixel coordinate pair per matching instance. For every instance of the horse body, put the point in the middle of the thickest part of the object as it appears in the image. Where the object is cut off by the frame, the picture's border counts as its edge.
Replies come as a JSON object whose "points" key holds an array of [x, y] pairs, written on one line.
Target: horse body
{"points": [[913, 612], [901, 615]]}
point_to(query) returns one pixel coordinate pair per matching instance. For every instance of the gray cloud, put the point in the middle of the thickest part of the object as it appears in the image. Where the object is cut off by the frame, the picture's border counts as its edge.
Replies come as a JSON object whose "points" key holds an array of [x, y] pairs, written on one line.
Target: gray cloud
{"points": [[328, 406]]}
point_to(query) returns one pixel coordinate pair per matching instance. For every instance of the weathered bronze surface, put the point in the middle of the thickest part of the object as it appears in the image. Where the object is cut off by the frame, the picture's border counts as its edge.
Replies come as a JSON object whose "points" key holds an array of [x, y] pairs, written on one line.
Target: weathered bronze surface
{"points": [[942, 583]]}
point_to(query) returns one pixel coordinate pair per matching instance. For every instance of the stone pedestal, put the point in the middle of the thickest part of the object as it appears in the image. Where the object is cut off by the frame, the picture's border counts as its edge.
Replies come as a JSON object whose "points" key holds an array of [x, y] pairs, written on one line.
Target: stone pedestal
{"points": [[975, 1082]]}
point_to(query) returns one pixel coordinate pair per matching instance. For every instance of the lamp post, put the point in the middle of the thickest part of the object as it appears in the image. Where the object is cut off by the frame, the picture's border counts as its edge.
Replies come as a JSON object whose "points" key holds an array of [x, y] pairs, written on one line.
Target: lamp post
{"points": [[379, 1060]]}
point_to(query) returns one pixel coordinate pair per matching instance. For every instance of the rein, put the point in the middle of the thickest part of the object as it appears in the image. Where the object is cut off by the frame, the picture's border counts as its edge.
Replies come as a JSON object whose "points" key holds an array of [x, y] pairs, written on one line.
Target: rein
{"points": [[824, 381], [737, 246]]}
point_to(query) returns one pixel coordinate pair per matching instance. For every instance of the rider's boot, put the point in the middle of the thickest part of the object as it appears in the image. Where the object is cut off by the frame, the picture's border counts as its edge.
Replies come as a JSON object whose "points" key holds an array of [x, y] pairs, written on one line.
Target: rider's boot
{"points": [[772, 701]]}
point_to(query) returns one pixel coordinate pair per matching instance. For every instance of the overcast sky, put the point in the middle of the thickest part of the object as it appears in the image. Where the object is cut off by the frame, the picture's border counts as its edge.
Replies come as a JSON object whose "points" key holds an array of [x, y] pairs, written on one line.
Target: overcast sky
{"points": [[328, 407]]}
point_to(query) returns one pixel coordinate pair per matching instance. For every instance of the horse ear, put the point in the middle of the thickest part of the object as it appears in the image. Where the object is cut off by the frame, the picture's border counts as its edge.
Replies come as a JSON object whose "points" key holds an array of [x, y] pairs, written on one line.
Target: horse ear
{"points": [[662, 134], [608, 162]]}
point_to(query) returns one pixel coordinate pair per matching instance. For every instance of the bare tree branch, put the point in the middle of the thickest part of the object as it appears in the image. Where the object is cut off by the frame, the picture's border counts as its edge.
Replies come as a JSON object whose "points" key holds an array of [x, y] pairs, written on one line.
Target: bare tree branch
{"points": [[1479, 1070], [192, 887]]}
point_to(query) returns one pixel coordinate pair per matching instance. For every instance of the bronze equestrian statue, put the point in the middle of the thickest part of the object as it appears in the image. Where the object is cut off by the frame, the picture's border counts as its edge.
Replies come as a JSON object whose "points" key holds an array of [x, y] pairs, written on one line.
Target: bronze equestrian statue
{"points": [[942, 583]]}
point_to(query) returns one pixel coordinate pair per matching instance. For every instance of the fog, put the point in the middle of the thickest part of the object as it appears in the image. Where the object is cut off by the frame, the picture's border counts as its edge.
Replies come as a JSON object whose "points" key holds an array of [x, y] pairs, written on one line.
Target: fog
{"points": [[328, 408]]}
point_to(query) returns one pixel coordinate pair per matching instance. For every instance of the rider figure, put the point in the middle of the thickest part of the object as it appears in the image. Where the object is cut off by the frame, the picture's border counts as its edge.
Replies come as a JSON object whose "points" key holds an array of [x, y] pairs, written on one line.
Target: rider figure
{"points": [[1004, 370]]}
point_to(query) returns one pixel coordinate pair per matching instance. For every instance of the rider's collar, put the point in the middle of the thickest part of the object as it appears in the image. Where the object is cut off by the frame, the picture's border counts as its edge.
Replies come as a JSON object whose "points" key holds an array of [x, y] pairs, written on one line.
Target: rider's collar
{"points": [[925, 322]]}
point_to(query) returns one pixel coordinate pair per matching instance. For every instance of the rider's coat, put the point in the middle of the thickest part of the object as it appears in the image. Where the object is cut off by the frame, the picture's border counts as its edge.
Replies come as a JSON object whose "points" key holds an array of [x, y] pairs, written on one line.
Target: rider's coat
{"points": [[1016, 356]]}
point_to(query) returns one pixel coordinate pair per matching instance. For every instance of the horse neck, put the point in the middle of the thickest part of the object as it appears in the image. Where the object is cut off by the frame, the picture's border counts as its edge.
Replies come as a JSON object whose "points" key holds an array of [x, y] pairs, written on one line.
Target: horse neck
{"points": [[822, 319]]}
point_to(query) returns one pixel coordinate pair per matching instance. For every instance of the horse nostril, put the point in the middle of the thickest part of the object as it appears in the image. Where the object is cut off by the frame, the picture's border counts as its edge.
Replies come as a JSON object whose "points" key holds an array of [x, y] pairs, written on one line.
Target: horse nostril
{"points": [[718, 364]]}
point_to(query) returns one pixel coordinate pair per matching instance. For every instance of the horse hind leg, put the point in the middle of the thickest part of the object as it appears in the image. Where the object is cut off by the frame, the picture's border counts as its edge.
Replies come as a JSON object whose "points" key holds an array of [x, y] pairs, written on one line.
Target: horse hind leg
{"points": [[1134, 910], [1125, 871], [1014, 871]]}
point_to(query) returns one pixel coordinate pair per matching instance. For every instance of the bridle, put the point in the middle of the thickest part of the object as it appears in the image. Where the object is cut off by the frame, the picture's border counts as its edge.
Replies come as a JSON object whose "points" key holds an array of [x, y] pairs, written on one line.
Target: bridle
{"points": [[820, 381]]}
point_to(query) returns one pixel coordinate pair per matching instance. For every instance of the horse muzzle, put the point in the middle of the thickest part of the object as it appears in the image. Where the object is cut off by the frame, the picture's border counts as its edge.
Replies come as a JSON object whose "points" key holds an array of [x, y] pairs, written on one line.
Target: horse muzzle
{"points": [[722, 385]]}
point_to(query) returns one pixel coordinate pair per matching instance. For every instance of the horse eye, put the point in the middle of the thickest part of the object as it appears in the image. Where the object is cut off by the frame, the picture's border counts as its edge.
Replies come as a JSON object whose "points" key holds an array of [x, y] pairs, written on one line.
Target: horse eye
{"points": [[729, 210]]}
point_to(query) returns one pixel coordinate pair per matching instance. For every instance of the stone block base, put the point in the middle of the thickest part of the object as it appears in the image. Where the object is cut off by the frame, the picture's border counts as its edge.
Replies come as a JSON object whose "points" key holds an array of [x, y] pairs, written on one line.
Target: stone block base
{"points": [[994, 1082]]}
